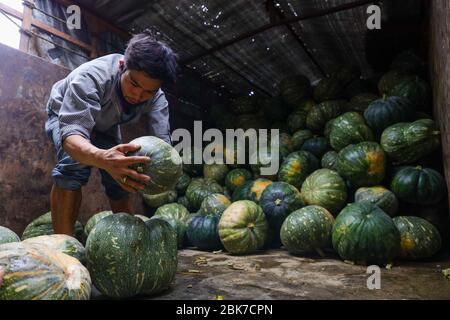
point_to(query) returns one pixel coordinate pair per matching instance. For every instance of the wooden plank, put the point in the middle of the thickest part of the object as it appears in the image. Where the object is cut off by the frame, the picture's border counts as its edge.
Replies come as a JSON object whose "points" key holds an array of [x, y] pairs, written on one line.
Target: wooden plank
{"points": [[26, 26], [12, 12]]}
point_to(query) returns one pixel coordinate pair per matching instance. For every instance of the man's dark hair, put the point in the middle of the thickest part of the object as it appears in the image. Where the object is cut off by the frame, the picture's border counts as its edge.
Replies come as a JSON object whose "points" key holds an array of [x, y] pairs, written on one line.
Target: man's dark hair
{"points": [[144, 53]]}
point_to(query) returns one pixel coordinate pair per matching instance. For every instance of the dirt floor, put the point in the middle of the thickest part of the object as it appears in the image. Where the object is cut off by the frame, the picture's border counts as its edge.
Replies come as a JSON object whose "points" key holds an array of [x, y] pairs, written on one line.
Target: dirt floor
{"points": [[275, 274]]}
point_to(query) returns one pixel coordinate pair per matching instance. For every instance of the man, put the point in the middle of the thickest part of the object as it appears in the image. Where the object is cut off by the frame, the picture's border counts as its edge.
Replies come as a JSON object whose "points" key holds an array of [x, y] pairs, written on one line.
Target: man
{"points": [[85, 112]]}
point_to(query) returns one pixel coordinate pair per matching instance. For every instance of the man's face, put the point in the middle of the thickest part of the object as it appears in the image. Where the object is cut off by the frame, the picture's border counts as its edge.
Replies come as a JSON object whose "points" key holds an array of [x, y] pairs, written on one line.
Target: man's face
{"points": [[138, 86]]}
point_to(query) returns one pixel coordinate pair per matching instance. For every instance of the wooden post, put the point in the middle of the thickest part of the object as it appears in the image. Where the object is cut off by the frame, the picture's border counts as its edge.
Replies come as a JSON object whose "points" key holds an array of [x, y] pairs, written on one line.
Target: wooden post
{"points": [[26, 25]]}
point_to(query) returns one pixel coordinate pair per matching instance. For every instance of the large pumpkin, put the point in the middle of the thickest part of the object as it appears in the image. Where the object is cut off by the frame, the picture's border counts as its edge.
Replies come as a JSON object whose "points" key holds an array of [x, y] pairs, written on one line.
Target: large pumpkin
{"points": [[419, 238], [321, 113], [329, 89], [199, 189], [325, 188], [214, 204], [215, 171], [364, 164], [329, 160], [7, 235], [182, 184], [177, 216], [165, 167], [365, 234], [296, 120], [380, 196], [389, 80], [349, 128], [236, 178], [127, 257], [157, 200], [93, 221], [407, 142], [419, 185], [307, 230], [251, 190], [360, 102], [296, 167], [36, 272], [202, 232], [416, 90], [318, 146], [295, 89], [243, 227], [299, 137]]}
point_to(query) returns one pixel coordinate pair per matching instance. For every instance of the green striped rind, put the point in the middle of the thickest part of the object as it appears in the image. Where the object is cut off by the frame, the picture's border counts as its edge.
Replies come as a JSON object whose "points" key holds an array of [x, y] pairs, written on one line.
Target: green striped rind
{"points": [[182, 184], [243, 227], [35, 272], [214, 204], [360, 102], [199, 189], [329, 89], [321, 113], [157, 200], [419, 185], [389, 80], [202, 232], [408, 142], [61, 243], [243, 104], [416, 90], [318, 146], [349, 128], [365, 234], [379, 196], [127, 257], [285, 145], [7, 235], [364, 164], [325, 188], [236, 178], [329, 160], [296, 120], [307, 230], [42, 226], [216, 172], [294, 89], [251, 190], [419, 238], [299, 137], [296, 167], [176, 215], [94, 219], [184, 201]]}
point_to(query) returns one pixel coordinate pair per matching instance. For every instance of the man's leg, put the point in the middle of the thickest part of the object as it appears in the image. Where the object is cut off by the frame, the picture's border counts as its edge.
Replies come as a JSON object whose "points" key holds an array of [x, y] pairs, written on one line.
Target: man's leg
{"points": [[65, 205]]}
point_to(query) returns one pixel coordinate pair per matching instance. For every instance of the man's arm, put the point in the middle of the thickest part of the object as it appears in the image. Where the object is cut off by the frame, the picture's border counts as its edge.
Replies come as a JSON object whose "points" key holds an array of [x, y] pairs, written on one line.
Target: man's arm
{"points": [[158, 117]]}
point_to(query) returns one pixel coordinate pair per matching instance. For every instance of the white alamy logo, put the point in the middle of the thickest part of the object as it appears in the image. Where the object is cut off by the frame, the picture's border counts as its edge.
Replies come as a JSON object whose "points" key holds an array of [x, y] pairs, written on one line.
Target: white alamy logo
{"points": [[74, 20], [374, 280]]}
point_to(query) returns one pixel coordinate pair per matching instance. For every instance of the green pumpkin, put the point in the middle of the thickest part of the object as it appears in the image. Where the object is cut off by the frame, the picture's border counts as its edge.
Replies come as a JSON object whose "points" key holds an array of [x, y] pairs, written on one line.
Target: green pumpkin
{"points": [[364, 164], [379, 196], [305, 105], [177, 216], [127, 257], [419, 238], [165, 167], [243, 227], [61, 243], [274, 109], [285, 146], [182, 184], [157, 200], [245, 104], [329, 160], [296, 120], [184, 201], [251, 190], [36, 272], [321, 113], [307, 230], [416, 90], [360, 102], [93, 221], [236, 178], [407, 142], [215, 171], [417, 185], [199, 189], [318, 146], [299, 137], [365, 234], [296, 167], [389, 80], [325, 188], [387, 111], [214, 204], [349, 128], [202, 232], [294, 89], [277, 201], [7, 235], [329, 89]]}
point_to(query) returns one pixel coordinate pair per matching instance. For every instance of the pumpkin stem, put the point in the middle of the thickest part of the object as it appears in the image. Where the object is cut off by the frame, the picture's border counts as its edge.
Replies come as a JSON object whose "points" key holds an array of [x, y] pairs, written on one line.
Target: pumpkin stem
{"points": [[251, 226], [320, 252], [278, 202], [419, 167]]}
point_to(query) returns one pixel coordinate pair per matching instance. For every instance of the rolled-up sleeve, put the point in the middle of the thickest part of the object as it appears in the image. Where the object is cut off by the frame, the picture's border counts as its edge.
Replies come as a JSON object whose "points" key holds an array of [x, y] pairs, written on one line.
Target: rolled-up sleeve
{"points": [[158, 117], [80, 107]]}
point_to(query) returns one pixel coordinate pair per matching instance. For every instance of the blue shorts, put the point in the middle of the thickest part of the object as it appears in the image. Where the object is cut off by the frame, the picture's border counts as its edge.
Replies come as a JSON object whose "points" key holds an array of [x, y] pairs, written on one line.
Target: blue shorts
{"points": [[72, 175]]}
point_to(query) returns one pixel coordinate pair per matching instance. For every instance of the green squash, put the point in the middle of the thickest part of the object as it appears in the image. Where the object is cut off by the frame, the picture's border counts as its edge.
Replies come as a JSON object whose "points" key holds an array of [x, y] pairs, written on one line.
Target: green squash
{"points": [[387, 111], [244, 104], [7, 235], [182, 184], [299, 137], [251, 190], [365, 234], [389, 80], [416, 90], [329, 160], [285, 146], [349, 128], [157, 200], [379, 196], [214, 204], [325, 188], [243, 227], [203, 233], [165, 167], [236, 178], [177, 216], [277, 201], [364, 164], [294, 89], [215, 171], [419, 238], [185, 202], [296, 167], [127, 257], [318, 146], [307, 230], [329, 89], [407, 142], [417, 185], [61, 243], [296, 120], [360, 102], [321, 113], [93, 221], [199, 189], [36, 272]]}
